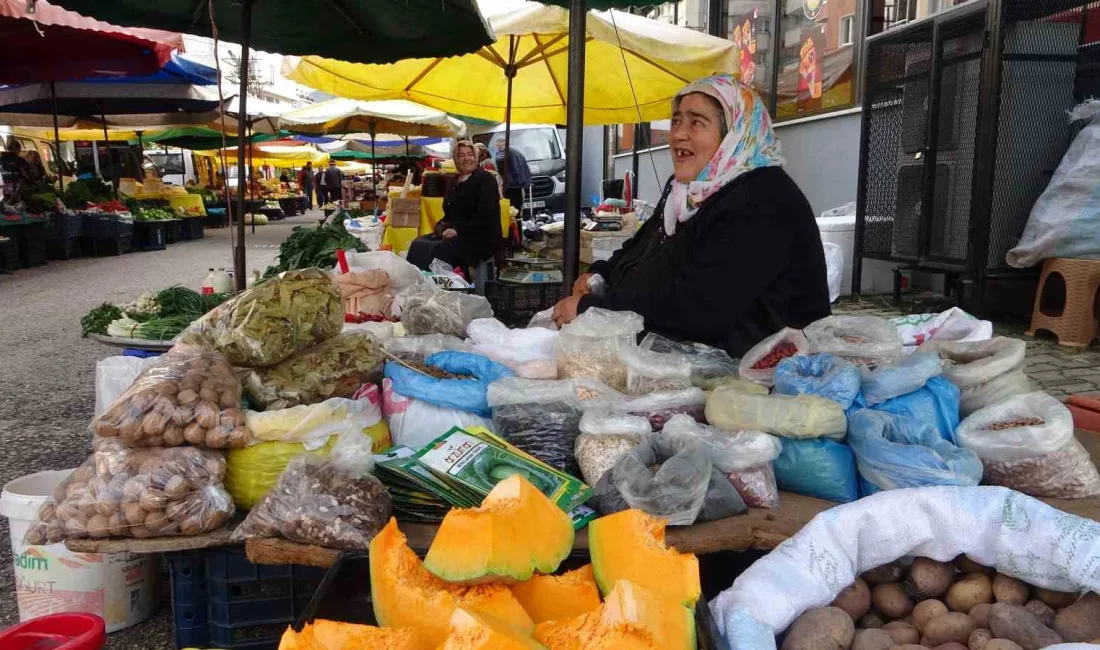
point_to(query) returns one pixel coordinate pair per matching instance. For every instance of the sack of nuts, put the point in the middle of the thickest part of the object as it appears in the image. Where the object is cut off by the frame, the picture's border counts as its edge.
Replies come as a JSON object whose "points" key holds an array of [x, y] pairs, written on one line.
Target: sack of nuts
{"points": [[123, 492], [190, 396], [334, 503]]}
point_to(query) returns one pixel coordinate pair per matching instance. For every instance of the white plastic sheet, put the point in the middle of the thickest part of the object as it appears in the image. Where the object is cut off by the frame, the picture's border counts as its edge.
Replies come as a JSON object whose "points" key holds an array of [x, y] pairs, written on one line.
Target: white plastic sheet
{"points": [[114, 375], [528, 352], [951, 325], [834, 268]]}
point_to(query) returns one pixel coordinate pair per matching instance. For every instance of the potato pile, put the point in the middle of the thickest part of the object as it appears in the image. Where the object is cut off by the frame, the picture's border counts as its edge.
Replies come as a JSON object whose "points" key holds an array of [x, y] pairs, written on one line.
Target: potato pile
{"points": [[958, 605], [122, 492], [188, 397]]}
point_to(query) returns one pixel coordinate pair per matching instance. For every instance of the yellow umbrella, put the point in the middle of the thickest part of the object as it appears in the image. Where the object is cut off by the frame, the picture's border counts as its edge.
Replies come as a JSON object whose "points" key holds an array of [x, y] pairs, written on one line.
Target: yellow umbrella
{"points": [[73, 135], [274, 155], [529, 62]]}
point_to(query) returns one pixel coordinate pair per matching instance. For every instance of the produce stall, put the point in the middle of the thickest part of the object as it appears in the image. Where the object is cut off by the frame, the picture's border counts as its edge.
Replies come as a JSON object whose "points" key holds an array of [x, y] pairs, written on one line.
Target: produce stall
{"points": [[399, 238]]}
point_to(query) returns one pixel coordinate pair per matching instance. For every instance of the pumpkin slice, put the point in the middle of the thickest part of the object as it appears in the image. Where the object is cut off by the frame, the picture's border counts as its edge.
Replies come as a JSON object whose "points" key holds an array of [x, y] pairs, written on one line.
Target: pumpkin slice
{"points": [[472, 630], [548, 598], [631, 617], [333, 635], [407, 595], [516, 532], [630, 545]]}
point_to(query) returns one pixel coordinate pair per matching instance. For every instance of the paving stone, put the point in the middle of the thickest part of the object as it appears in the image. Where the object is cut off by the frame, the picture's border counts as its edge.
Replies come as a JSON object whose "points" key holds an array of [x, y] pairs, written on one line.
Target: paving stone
{"points": [[1047, 375], [1038, 367], [1078, 387]]}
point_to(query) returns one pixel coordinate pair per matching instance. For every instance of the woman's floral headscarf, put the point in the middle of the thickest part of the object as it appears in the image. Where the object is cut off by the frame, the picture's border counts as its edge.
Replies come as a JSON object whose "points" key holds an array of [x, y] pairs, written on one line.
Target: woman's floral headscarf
{"points": [[749, 144]]}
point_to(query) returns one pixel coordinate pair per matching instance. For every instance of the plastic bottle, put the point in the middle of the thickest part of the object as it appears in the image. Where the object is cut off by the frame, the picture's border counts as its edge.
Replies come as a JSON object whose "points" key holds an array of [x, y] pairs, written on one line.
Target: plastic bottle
{"points": [[208, 283], [222, 282]]}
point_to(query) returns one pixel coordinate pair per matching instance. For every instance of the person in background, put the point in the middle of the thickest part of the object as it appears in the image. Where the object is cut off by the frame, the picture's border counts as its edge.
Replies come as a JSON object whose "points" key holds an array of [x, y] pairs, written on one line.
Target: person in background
{"points": [[17, 173], [284, 177], [322, 191], [334, 182], [305, 183], [470, 229], [485, 161], [518, 178], [732, 253]]}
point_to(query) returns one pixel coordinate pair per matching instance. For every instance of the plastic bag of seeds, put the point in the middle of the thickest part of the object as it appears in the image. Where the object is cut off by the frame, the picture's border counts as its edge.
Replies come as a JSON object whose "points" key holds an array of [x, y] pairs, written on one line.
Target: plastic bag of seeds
{"points": [[759, 363], [333, 503], [589, 346], [863, 340], [986, 372], [650, 372], [124, 492], [708, 364], [605, 438]]}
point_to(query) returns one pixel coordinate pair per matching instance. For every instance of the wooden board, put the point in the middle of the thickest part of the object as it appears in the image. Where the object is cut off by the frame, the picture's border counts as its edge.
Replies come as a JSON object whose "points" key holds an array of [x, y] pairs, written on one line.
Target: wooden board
{"points": [[218, 537]]}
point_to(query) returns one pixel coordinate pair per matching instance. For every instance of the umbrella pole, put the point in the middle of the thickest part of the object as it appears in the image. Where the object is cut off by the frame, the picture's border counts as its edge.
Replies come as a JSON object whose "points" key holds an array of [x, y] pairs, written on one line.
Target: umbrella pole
{"points": [[251, 173], [242, 141], [57, 141], [406, 148], [107, 145], [510, 73], [372, 162], [573, 144]]}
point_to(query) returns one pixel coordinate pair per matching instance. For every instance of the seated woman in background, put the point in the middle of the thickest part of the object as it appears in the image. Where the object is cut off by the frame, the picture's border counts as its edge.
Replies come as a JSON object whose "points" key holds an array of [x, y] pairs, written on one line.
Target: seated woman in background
{"points": [[732, 253], [470, 229]]}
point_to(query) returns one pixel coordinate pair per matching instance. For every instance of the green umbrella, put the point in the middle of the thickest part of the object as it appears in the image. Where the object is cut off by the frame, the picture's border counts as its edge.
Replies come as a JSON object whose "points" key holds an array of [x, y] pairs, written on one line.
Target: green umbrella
{"points": [[362, 31]]}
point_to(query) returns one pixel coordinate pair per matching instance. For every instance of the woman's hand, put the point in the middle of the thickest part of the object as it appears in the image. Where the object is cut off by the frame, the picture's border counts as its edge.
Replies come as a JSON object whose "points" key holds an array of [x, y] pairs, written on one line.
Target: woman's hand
{"points": [[450, 233], [580, 287], [565, 311]]}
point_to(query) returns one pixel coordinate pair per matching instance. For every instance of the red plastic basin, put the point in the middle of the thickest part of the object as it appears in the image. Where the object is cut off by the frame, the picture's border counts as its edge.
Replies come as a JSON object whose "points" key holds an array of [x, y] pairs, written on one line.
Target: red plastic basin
{"points": [[56, 632]]}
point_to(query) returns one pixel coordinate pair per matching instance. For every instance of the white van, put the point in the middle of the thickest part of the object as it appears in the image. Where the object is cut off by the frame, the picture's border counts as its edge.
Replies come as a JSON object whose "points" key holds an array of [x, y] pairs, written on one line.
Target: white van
{"points": [[544, 148]]}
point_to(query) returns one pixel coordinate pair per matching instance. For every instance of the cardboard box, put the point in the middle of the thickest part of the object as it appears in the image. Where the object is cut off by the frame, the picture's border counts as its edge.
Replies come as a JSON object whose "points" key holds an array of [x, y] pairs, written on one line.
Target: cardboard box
{"points": [[404, 213], [600, 245]]}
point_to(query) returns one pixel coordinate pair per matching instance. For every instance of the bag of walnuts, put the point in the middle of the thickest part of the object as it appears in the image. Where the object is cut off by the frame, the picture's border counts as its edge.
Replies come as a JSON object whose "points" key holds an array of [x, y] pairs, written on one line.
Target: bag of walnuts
{"points": [[123, 492], [190, 396]]}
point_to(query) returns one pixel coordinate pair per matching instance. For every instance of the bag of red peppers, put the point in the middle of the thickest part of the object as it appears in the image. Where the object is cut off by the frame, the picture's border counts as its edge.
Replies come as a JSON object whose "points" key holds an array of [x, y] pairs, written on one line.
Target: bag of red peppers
{"points": [[759, 363]]}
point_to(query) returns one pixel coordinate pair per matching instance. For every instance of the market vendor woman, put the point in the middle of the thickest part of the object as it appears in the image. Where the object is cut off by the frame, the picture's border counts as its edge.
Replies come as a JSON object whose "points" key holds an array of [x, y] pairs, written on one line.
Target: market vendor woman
{"points": [[732, 253], [470, 228]]}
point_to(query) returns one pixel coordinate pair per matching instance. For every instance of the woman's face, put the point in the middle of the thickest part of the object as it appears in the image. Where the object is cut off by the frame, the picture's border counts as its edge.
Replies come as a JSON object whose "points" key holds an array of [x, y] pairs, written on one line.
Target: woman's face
{"points": [[465, 160], [695, 136]]}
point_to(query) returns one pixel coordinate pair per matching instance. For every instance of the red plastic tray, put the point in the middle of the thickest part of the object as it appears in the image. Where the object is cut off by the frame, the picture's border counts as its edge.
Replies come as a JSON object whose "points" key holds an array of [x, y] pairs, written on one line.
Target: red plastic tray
{"points": [[56, 632]]}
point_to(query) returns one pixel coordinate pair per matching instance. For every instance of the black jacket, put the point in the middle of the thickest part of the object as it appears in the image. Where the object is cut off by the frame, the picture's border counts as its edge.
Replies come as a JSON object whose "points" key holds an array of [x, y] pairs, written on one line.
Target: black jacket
{"points": [[333, 177], [472, 208], [749, 263]]}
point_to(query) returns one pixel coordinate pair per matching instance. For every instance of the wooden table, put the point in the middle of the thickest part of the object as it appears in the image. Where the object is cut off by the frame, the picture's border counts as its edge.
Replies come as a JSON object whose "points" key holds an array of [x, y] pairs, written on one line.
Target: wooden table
{"points": [[759, 529]]}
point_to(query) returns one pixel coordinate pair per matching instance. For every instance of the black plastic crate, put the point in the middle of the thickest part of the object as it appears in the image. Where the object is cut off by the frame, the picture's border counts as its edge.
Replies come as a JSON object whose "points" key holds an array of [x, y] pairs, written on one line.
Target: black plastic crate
{"points": [[31, 240], [109, 235], [215, 217], [150, 236], [9, 253], [191, 228], [173, 230], [515, 303]]}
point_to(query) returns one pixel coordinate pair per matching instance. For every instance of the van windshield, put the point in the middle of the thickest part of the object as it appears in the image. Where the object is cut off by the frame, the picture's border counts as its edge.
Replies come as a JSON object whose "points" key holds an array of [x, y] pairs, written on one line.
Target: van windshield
{"points": [[535, 144]]}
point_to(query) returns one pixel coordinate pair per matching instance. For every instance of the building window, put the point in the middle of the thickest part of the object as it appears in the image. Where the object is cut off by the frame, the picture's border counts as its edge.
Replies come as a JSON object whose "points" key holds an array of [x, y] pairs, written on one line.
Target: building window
{"points": [[816, 69], [847, 29], [749, 26], [653, 134]]}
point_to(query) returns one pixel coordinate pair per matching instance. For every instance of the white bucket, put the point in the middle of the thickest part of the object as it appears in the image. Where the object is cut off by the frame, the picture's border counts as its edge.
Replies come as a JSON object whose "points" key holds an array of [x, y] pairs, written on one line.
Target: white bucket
{"points": [[120, 587]]}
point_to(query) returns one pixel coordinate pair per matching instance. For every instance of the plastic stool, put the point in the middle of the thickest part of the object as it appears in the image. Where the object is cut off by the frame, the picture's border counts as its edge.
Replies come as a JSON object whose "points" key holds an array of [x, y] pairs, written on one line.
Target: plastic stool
{"points": [[1065, 301], [485, 271]]}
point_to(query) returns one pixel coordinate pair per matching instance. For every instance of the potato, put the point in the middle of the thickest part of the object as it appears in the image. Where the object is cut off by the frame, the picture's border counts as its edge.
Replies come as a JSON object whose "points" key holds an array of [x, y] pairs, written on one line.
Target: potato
{"points": [[195, 434], [881, 575], [133, 513], [173, 436], [974, 589], [855, 599], [945, 628], [871, 621], [1002, 644], [951, 646], [890, 599], [824, 628], [980, 614], [928, 578], [1009, 590], [902, 633], [240, 436], [187, 397], [208, 394], [927, 610], [153, 424], [229, 398], [1056, 599], [909, 646], [177, 487], [872, 640], [1017, 624], [1081, 620], [217, 438], [206, 414], [978, 639], [1042, 610], [97, 526]]}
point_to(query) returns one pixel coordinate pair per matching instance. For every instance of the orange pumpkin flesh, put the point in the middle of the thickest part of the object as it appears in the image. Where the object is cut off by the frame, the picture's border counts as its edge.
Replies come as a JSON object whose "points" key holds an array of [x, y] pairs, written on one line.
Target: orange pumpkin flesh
{"points": [[332, 635], [407, 595], [630, 545], [516, 532], [631, 617], [472, 630], [548, 598]]}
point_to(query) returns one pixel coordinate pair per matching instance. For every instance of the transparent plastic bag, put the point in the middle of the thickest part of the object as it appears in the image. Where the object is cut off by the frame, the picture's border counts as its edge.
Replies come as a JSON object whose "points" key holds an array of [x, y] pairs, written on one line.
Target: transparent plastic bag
{"points": [[465, 391], [757, 486], [528, 352], [898, 452], [790, 416], [659, 407], [863, 340], [936, 402], [818, 467], [418, 348], [333, 503], [425, 309], [739, 385], [274, 319], [650, 372], [683, 488], [250, 473], [604, 438], [589, 346], [124, 492], [898, 378], [1026, 443], [707, 363], [190, 396], [337, 367], [822, 375], [986, 372], [759, 363], [313, 425], [414, 423]]}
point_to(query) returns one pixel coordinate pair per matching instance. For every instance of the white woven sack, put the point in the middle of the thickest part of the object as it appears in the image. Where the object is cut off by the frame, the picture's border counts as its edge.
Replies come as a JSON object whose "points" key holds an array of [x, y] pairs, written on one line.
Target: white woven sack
{"points": [[1022, 537]]}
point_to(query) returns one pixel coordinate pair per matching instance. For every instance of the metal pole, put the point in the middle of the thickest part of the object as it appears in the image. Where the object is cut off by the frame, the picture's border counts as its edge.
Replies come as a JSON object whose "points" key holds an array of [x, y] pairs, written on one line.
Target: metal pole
{"points": [[242, 141], [374, 162], [107, 144], [510, 73], [634, 162], [406, 147], [141, 160], [574, 143], [251, 173], [57, 141]]}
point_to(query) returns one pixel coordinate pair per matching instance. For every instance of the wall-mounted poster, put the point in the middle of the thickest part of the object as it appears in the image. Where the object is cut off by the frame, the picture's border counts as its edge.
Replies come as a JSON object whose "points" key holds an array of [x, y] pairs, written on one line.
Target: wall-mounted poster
{"points": [[810, 71], [744, 42]]}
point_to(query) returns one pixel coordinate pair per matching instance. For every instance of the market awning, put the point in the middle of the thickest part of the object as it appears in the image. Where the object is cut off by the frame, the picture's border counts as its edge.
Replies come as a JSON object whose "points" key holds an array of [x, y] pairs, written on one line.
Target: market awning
{"points": [[54, 44], [367, 31], [655, 61], [80, 99], [73, 135], [272, 155], [177, 70], [341, 115], [197, 138]]}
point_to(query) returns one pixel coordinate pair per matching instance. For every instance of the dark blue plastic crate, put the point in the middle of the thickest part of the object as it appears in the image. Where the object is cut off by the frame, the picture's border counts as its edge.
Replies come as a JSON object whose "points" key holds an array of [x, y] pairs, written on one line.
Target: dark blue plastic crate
{"points": [[192, 637], [227, 591], [150, 235], [254, 637], [248, 612], [231, 564], [191, 228], [173, 230]]}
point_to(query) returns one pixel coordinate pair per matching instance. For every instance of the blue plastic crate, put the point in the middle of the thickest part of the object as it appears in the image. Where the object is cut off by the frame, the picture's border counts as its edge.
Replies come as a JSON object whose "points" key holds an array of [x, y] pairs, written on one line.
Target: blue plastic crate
{"points": [[232, 591], [231, 564], [256, 611], [254, 637]]}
